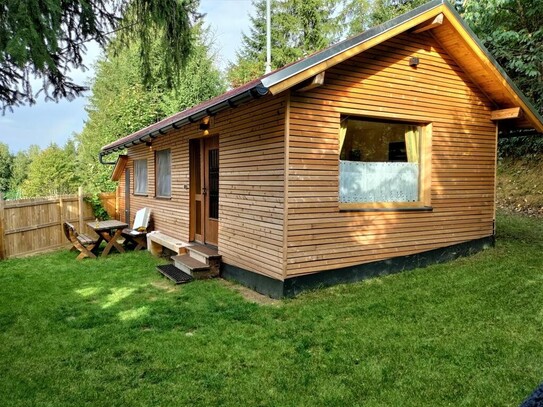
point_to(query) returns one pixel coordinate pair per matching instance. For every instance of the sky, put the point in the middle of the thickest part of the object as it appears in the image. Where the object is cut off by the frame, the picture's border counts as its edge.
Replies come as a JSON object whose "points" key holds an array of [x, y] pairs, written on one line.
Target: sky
{"points": [[49, 122]]}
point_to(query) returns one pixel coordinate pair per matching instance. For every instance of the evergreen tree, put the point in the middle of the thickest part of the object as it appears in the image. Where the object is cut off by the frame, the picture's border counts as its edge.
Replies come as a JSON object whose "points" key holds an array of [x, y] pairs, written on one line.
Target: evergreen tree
{"points": [[46, 39], [298, 28], [384, 10]]}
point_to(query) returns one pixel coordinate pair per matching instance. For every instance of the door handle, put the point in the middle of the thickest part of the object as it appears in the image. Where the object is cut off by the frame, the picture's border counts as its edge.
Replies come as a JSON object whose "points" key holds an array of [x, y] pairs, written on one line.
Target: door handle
{"points": [[204, 191]]}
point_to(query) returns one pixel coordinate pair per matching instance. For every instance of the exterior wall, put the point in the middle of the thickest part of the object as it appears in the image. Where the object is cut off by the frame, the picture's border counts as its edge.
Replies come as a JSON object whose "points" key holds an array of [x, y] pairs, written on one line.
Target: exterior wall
{"points": [[251, 193], [170, 216], [380, 83]]}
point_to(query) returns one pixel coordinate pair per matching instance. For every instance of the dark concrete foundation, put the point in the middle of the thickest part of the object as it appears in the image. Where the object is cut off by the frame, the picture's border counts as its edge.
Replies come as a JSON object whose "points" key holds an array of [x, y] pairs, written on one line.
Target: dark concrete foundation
{"points": [[295, 285]]}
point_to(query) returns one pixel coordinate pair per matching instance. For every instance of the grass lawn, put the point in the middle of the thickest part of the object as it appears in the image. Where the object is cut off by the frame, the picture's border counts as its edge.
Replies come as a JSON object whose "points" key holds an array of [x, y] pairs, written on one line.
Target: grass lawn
{"points": [[113, 332]]}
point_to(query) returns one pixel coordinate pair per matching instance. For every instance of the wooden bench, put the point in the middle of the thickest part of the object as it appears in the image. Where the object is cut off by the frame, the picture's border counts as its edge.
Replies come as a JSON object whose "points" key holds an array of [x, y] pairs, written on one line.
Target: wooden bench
{"points": [[156, 241], [84, 243]]}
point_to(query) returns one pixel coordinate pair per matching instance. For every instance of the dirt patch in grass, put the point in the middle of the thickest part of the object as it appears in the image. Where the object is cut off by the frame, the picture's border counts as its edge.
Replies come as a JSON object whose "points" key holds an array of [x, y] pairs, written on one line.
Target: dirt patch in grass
{"points": [[165, 285], [250, 295]]}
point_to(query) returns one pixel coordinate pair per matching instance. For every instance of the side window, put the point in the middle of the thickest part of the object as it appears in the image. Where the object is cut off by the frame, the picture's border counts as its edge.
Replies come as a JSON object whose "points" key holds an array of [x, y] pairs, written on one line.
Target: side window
{"points": [[380, 162], [163, 174], [140, 177]]}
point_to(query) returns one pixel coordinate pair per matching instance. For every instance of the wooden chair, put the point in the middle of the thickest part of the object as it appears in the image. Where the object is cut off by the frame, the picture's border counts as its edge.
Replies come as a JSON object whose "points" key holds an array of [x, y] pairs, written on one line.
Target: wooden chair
{"points": [[81, 242], [138, 234]]}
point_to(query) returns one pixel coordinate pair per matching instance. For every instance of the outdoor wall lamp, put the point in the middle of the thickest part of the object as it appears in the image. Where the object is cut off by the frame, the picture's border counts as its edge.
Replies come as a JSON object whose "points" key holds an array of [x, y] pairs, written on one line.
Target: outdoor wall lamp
{"points": [[413, 61], [204, 125]]}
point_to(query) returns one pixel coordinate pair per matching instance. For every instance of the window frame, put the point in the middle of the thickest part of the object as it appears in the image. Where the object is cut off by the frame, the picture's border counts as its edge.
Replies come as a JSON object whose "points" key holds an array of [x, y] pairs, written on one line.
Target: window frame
{"points": [[425, 170], [157, 175], [135, 190]]}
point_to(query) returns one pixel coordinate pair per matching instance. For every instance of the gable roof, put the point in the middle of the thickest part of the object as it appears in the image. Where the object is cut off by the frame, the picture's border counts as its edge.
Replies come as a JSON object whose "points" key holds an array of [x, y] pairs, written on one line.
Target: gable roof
{"points": [[452, 33]]}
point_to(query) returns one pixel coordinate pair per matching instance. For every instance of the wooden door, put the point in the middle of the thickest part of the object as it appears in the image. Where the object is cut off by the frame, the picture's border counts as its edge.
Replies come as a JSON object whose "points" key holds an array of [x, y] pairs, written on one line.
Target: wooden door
{"points": [[204, 185]]}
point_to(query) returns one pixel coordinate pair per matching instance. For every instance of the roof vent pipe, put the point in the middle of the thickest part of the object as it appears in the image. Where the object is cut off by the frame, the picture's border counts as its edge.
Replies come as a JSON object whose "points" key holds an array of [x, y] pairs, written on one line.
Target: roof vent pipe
{"points": [[268, 36]]}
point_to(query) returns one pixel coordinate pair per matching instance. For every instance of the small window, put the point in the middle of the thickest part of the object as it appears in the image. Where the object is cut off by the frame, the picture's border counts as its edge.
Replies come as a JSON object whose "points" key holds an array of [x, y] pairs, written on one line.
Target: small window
{"points": [[380, 162], [163, 174], [140, 177]]}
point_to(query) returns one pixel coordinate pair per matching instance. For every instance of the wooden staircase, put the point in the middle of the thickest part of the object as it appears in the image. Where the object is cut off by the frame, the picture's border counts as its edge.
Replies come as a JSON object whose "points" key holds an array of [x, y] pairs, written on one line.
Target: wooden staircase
{"points": [[199, 262]]}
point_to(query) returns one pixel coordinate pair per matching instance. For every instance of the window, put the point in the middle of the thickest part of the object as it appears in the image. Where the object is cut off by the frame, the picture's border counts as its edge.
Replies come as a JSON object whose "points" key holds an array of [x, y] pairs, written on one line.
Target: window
{"points": [[140, 177], [163, 174], [381, 163]]}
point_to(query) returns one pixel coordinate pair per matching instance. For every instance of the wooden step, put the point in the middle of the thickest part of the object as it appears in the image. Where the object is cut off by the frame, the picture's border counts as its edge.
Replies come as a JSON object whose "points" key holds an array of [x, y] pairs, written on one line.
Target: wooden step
{"points": [[204, 254], [193, 267]]}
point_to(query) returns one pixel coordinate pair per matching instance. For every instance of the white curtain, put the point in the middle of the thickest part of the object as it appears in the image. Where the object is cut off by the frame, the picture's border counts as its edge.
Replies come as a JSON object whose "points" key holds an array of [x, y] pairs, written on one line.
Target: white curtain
{"points": [[378, 182], [140, 176], [164, 173]]}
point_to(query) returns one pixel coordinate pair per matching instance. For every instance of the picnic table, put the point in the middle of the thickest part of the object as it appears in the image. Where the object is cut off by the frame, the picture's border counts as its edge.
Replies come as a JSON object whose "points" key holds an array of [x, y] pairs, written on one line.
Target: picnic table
{"points": [[110, 231]]}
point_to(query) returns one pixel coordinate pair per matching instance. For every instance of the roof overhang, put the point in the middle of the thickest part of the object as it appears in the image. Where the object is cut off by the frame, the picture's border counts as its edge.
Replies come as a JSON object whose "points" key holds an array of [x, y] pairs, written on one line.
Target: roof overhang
{"points": [[234, 98]]}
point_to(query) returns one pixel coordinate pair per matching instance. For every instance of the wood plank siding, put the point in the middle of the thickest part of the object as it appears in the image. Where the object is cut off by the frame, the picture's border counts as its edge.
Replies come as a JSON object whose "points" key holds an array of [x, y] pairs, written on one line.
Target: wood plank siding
{"points": [[251, 193], [380, 83], [278, 198]]}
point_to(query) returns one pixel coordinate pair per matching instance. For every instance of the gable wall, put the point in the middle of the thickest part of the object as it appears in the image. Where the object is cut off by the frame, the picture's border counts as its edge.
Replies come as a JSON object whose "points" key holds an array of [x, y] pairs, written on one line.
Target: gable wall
{"points": [[381, 83], [251, 194]]}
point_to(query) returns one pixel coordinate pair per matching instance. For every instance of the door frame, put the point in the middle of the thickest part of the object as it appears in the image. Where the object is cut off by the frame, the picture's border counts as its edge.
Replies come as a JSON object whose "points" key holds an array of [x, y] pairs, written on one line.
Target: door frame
{"points": [[198, 187], [127, 195]]}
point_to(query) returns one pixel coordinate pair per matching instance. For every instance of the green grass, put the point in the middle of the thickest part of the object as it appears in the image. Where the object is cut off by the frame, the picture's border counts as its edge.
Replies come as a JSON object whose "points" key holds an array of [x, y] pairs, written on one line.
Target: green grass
{"points": [[112, 332]]}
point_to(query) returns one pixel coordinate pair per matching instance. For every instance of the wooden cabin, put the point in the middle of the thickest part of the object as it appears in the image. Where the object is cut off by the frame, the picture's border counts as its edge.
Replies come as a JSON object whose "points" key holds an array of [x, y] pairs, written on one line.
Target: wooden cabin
{"points": [[373, 156]]}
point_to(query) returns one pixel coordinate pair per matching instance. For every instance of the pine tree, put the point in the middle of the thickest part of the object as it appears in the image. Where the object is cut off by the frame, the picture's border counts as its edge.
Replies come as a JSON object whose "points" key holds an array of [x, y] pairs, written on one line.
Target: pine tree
{"points": [[46, 39], [298, 28]]}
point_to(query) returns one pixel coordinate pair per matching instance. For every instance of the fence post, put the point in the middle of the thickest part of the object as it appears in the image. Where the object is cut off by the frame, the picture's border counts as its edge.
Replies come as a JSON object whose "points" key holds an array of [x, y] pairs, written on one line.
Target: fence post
{"points": [[60, 217], [80, 195], [2, 236]]}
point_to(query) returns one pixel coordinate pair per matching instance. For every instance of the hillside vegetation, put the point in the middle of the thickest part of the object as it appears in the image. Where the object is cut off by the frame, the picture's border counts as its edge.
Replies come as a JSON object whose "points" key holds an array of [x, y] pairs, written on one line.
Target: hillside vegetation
{"points": [[520, 185]]}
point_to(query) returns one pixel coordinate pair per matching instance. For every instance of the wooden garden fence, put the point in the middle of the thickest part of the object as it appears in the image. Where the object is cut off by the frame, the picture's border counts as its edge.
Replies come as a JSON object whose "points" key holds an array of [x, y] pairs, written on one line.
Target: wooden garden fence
{"points": [[29, 226]]}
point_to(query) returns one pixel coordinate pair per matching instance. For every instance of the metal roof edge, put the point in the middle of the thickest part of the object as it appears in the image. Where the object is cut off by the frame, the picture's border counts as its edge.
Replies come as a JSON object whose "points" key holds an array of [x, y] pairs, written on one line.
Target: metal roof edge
{"points": [[493, 61], [347, 44]]}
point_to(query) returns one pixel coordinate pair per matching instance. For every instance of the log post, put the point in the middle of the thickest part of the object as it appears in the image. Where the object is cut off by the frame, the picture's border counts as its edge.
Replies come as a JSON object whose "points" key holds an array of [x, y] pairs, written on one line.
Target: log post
{"points": [[80, 196], [2, 235]]}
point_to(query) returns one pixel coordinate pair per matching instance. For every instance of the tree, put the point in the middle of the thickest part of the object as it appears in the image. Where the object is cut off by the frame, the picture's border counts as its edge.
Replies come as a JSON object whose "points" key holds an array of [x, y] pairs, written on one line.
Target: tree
{"points": [[355, 16], [121, 103], [513, 33], [6, 161], [384, 10], [298, 28], [19, 169], [52, 172], [46, 39]]}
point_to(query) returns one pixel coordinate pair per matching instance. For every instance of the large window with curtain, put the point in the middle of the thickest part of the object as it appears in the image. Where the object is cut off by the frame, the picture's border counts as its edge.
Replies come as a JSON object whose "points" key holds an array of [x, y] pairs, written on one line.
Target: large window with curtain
{"points": [[379, 162], [140, 177], [163, 174]]}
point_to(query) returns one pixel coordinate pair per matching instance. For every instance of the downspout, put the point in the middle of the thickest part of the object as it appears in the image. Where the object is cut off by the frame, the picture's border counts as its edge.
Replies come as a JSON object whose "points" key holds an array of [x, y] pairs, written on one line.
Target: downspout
{"points": [[100, 155]]}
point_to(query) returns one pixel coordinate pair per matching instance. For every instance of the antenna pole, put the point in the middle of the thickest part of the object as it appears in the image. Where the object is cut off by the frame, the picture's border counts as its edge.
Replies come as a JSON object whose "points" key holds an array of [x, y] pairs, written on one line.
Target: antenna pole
{"points": [[268, 36]]}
